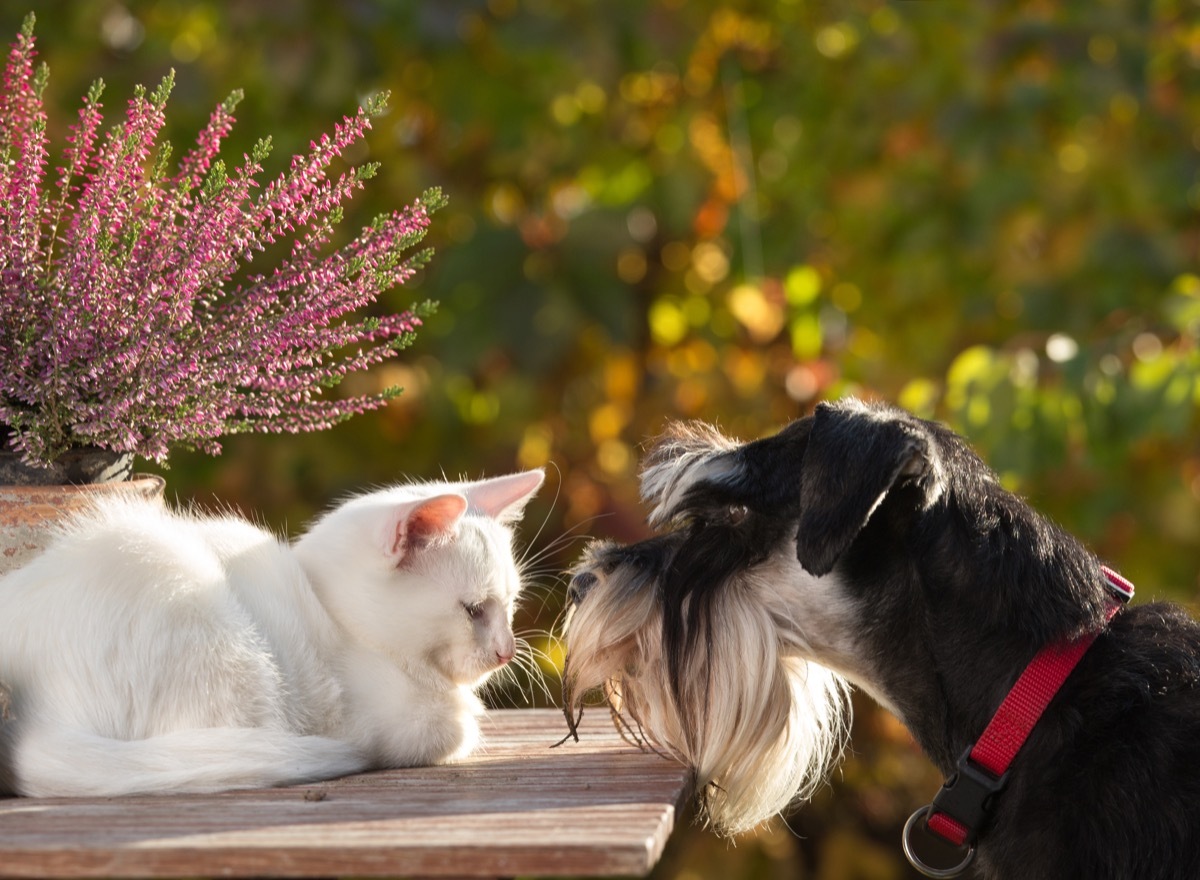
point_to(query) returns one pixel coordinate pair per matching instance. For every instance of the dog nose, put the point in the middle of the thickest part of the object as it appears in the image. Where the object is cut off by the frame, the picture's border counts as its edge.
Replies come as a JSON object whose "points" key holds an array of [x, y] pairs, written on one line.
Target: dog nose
{"points": [[579, 586]]}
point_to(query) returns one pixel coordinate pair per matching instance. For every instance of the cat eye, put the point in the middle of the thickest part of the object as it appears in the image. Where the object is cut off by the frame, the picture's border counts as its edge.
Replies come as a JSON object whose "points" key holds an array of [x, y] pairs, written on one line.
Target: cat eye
{"points": [[474, 609]]}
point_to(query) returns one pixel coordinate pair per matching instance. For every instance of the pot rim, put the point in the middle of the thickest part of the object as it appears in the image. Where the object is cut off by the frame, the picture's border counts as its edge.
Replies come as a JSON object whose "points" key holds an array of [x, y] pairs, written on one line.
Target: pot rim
{"points": [[136, 483]]}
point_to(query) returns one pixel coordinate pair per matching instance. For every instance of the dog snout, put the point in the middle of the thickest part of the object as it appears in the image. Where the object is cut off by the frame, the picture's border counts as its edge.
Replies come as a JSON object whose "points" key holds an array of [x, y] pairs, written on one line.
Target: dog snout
{"points": [[580, 584]]}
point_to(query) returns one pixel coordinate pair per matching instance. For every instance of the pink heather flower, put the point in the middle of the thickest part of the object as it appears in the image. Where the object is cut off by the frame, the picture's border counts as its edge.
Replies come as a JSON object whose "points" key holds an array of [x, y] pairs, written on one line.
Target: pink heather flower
{"points": [[121, 324]]}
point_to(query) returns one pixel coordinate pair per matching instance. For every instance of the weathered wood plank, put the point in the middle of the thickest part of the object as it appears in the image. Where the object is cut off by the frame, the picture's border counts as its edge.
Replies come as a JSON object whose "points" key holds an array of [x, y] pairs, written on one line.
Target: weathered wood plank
{"points": [[598, 807]]}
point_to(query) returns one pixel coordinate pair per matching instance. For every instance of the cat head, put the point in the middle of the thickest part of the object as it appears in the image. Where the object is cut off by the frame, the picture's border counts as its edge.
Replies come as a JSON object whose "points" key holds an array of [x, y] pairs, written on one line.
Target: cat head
{"points": [[424, 573]]}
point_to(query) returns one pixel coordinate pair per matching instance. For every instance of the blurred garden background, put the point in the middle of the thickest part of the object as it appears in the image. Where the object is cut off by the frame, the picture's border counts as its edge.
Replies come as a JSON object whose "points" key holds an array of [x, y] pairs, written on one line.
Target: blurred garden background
{"points": [[986, 211]]}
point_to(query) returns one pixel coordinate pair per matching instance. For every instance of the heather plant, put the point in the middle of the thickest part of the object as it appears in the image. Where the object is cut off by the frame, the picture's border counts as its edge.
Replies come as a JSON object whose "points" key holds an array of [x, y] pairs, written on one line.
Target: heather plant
{"points": [[133, 314]]}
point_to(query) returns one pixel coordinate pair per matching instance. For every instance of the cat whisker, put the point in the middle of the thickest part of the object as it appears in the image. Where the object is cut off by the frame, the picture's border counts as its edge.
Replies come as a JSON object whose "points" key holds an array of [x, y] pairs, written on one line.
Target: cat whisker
{"points": [[545, 520], [558, 545], [559, 542], [522, 680], [544, 593], [504, 684], [534, 566], [550, 569], [544, 583], [528, 660]]}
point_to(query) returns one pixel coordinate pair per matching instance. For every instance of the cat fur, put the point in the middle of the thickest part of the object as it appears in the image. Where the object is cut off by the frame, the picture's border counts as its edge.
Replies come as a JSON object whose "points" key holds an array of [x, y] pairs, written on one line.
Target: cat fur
{"points": [[149, 650]]}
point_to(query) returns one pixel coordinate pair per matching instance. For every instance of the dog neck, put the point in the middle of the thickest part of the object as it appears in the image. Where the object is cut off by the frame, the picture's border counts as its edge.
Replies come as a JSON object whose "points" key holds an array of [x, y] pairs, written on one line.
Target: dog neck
{"points": [[961, 808], [946, 622]]}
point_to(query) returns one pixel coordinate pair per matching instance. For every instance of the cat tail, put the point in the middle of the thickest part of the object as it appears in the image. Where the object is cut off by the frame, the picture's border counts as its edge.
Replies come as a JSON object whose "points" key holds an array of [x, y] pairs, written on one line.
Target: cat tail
{"points": [[62, 762]]}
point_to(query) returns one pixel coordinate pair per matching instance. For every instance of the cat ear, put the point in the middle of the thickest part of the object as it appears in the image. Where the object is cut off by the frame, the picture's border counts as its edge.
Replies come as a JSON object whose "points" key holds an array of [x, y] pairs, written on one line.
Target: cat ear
{"points": [[417, 524], [504, 498]]}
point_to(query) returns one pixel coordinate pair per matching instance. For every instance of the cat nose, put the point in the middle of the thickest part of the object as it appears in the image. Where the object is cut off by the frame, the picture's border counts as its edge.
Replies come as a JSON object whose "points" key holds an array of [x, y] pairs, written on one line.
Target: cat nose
{"points": [[504, 650], [580, 585]]}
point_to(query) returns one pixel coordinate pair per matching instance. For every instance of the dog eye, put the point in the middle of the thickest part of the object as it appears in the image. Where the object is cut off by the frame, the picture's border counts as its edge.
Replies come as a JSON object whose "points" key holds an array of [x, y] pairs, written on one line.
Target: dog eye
{"points": [[736, 514]]}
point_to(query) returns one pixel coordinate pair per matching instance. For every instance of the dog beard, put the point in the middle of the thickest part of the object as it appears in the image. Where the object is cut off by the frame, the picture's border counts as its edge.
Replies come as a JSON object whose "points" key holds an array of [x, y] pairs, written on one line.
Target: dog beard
{"points": [[705, 662], [758, 725]]}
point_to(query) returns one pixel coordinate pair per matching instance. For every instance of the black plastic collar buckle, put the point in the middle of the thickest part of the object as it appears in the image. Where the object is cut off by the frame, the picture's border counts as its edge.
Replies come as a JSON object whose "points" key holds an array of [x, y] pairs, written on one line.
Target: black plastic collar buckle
{"points": [[966, 796]]}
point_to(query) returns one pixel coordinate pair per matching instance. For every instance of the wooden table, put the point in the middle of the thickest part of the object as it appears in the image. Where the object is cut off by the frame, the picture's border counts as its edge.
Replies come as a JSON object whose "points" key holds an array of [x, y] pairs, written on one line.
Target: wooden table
{"points": [[598, 807]]}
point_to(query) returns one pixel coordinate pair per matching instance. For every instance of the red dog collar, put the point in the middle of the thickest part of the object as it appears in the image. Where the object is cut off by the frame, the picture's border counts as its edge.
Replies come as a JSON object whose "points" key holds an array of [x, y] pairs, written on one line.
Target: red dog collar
{"points": [[962, 804]]}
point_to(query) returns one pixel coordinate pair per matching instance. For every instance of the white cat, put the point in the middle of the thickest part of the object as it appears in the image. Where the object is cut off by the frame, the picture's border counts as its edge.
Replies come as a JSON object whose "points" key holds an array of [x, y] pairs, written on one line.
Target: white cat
{"points": [[153, 651]]}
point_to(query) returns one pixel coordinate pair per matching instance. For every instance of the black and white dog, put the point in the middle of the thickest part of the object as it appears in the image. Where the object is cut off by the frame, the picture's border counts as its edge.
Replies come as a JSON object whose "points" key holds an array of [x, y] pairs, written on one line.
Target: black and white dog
{"points": [[862, 544]]}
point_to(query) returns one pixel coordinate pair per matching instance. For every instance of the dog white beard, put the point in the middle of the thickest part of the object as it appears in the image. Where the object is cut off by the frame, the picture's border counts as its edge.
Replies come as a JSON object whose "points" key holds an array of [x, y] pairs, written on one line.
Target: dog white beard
{"points": [[759, 725]]}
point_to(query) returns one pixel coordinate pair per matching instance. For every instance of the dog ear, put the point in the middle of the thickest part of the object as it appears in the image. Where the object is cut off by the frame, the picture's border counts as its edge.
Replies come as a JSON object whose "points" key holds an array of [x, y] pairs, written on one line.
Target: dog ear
{"points": [[854, 456]]}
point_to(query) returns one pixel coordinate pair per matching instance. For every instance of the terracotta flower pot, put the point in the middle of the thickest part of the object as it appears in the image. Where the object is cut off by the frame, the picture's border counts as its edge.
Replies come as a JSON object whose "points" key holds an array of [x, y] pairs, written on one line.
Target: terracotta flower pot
{"points": [[28, 513]]}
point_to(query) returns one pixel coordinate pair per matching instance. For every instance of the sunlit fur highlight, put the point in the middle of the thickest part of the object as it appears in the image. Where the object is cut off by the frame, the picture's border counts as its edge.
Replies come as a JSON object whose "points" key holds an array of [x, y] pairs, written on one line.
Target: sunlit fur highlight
{"points": [[686, 453], [753, 749]]}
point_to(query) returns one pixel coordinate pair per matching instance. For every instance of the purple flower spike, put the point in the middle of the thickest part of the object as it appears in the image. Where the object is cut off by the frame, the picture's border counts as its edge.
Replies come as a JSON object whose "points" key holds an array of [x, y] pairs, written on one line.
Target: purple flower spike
{"points": [[122, 324]]}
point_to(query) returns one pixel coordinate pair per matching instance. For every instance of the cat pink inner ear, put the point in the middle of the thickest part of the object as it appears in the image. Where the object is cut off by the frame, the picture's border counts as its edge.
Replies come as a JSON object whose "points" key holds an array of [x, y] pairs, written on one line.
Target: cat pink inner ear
{"points": [[504, 498], [423, 522]]}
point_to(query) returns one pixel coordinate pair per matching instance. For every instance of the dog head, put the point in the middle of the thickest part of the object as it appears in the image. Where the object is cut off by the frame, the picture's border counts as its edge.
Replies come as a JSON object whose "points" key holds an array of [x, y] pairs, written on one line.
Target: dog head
{"points": [[782, 567], [705, 678]]}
